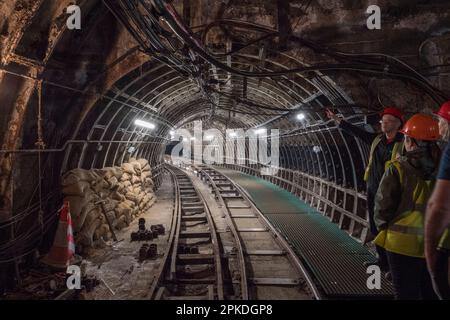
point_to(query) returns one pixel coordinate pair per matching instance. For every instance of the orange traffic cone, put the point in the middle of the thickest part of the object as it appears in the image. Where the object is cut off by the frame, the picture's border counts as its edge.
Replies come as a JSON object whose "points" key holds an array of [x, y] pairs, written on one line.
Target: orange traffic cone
{"points": [[63, 248]]}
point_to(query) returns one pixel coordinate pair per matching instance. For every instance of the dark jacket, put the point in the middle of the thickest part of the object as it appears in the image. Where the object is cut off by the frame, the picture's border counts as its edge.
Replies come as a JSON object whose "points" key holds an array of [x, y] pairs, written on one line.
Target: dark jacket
{"points": [[382, 153], [393, 197]]}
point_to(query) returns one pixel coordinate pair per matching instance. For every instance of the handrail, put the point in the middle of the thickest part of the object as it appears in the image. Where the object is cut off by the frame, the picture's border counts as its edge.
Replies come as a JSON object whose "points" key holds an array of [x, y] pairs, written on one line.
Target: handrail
{"points": [[321, 199]]}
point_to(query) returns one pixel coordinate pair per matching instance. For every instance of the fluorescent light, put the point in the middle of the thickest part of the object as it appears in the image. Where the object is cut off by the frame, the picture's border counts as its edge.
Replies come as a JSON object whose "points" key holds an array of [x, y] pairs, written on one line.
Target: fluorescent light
{"points": [[172, 133], [301, 116], [260, 131], [144, 124], [193, 139], [232, 134], [209, 138], [317, 149]]}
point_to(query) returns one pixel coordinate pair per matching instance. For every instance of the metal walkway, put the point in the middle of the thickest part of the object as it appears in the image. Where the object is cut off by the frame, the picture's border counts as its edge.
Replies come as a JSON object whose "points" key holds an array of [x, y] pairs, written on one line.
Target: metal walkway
{"points": [[332, 256]]}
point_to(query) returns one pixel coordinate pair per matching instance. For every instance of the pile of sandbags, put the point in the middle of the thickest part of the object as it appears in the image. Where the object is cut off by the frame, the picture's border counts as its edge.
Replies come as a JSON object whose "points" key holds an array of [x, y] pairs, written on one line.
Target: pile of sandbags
{"points": [[119, 193]]}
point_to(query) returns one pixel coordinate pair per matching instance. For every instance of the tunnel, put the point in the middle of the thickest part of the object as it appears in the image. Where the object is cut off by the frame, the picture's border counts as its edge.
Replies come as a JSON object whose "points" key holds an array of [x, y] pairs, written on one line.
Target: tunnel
{"points": [[174, 143]]}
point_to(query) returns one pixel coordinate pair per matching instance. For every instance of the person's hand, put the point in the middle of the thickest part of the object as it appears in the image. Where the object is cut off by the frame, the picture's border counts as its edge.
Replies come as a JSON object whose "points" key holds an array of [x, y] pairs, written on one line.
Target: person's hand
{"points": [[331, 115]]}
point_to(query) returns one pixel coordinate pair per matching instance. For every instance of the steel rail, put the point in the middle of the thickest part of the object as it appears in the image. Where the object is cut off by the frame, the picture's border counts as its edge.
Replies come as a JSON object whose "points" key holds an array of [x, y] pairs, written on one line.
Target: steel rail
{"points": [[280, 240], [167, 272], [238, 241]]}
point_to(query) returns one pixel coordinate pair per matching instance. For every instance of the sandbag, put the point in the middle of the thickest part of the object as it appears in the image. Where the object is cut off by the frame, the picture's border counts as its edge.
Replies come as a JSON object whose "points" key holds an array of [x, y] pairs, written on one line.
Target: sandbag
{"points": [[140, 197], [113, 182], [69, 179], [131, 196], [110, 172], [111, 215], [136, 180], [128, 168], [123, 212], [87, 211], [76, 189], [123, 205], [127, 191], [151, 202], [121, 223], [126, 184], [148, 184], [137, 167], [86, 235], [127, 215], [129, 203], [148, 197], [145, 175], [110, 205], [76, 205], [104, 194], [101, 231], [77, 175], [117, 196], [125, 177], [143, 162], [99, 185], [91, 216]]}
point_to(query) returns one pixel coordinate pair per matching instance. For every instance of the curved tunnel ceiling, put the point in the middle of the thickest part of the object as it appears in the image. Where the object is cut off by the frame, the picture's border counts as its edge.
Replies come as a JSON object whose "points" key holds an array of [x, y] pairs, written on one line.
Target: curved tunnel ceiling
{"points": [[179, 85], [231, 64]]}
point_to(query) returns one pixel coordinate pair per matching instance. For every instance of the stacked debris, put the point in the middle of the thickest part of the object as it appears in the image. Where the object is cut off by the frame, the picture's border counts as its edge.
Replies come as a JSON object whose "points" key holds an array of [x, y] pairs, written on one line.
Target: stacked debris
{"points": [[144, 234], [110, 196], [148, 251]]}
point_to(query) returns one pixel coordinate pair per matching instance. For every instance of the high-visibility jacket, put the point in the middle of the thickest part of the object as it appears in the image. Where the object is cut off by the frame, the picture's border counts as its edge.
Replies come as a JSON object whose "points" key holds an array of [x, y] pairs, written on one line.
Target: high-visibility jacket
{"points": [[396, 152], [444, 242], [405, 233]]}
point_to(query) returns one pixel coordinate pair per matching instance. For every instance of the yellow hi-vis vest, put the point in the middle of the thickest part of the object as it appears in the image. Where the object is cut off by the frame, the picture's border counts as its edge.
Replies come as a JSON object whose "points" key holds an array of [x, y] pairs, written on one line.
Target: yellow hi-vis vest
{"points": [[444, 242], [396, 151], [405, 234]]}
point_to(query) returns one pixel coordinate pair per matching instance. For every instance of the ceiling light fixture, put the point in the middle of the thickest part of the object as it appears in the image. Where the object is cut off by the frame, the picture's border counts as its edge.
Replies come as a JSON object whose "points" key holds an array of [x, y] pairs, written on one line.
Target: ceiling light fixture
{"points": [[144, 124]]}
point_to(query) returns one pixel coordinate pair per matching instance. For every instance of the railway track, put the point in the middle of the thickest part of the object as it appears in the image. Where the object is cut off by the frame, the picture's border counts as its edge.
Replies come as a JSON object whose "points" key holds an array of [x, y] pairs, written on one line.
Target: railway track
{"points": [[246, 259], [192, 268], [274, 270]]}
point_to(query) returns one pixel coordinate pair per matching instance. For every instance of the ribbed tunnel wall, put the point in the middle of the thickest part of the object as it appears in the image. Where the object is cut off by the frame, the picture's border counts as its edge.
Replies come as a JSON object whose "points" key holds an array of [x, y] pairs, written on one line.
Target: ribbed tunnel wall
{"points": [[98, 80]]}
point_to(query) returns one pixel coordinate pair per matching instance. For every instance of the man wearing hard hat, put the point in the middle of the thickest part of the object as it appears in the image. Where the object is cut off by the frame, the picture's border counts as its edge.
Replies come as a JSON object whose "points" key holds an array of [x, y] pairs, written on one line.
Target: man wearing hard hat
{"points": [[384, 147], [400, 205]]}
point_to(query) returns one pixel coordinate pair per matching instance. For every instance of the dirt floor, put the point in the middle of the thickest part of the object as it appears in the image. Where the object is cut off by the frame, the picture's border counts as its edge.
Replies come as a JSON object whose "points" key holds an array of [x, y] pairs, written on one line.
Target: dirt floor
{"points": [[117, 266]]}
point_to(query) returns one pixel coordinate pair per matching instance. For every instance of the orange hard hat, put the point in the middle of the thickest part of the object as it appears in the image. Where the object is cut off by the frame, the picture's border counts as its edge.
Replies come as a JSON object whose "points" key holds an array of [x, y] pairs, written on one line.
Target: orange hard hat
{"points": [[422, 127], [444, 111]]}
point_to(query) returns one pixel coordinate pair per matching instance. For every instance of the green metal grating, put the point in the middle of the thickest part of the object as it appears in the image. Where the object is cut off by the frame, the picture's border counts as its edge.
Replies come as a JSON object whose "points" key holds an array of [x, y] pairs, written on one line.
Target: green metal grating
{"points": [[335, 259], [332, 256], [262, 192]]}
